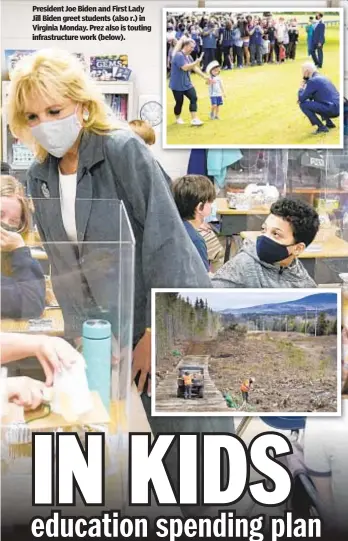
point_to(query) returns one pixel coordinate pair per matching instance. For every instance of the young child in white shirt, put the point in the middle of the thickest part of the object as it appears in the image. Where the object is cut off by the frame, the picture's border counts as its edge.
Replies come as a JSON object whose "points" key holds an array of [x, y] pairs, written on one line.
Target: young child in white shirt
{"points": [[216, 89], [266, 46]]}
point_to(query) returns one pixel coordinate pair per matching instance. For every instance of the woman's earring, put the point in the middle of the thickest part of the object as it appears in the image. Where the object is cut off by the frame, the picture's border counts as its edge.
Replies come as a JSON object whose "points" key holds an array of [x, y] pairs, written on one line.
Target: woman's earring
{"points": [[85, 115]]}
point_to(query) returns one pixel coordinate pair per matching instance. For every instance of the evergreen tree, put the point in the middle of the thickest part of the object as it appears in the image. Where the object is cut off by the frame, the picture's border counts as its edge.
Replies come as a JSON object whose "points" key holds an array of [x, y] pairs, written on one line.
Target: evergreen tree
{"points": [[333, 327], [322, 324]]}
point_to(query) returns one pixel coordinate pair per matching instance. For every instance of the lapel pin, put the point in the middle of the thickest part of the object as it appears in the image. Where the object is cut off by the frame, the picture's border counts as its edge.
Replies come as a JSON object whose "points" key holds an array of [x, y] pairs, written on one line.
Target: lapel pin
{"points": [[45, 190]]}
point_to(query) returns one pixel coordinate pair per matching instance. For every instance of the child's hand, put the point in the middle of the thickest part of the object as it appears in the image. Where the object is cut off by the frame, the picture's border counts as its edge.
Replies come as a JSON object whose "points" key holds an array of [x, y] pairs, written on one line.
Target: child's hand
{"points": [[25, 392]]}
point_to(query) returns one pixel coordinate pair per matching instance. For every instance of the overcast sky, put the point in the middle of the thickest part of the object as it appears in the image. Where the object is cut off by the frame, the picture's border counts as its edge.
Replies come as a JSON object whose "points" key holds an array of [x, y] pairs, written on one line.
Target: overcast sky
{"points": [[220, 300]]}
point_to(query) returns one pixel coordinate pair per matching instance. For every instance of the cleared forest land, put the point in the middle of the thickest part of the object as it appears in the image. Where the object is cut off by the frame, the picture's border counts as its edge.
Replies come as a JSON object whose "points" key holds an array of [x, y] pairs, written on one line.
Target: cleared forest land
{"points": [[293, 372]]}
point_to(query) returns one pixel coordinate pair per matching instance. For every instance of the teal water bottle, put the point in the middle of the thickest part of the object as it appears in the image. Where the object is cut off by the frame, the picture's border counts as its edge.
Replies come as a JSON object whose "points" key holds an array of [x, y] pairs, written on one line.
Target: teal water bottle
{"points": [[96, 343]]}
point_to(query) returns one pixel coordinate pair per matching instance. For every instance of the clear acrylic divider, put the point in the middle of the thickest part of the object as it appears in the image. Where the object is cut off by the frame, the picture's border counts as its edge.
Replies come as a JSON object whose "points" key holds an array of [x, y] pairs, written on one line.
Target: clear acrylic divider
{"points": [[89, 302]]}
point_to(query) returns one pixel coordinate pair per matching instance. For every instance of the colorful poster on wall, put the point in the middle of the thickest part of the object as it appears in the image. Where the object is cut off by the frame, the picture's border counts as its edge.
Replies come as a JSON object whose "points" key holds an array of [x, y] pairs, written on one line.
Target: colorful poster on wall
{"points": [[109, 67], [81, 57]]}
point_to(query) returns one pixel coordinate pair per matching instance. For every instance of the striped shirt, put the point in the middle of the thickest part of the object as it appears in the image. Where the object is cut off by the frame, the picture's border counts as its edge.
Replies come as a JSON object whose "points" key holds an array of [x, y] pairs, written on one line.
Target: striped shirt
{"points": [[226, 37]]}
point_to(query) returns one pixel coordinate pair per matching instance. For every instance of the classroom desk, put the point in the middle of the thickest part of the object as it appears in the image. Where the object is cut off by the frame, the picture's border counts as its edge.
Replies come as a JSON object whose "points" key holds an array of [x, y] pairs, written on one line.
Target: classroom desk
{"points": [[234, 221], [17, 500], [333, 247], [38, 253], [23, 326]]}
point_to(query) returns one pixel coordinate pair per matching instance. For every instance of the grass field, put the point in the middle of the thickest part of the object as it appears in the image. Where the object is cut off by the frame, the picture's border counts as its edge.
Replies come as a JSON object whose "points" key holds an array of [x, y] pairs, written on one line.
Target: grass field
{"points": [[261, 104]]}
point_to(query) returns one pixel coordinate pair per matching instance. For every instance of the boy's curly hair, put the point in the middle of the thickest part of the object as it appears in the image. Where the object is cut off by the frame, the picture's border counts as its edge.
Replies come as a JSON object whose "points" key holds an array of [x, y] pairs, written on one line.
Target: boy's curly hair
{"points": [[303, 218]]}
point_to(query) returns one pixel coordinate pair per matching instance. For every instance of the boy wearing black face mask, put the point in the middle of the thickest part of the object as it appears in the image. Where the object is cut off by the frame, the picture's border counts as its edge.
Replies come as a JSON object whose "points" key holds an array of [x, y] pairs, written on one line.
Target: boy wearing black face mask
{"points": [[273, 260]]}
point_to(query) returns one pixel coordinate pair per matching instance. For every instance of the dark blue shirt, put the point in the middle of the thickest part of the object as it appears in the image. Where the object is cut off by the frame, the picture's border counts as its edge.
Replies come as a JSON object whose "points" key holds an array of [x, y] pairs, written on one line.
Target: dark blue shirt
{"points": [[226, 37], [197, 39], [180, 79], [319, 34], [320, 89], [271, 33], [209, 41], [23, 293], [256, 37], [199, 242]]}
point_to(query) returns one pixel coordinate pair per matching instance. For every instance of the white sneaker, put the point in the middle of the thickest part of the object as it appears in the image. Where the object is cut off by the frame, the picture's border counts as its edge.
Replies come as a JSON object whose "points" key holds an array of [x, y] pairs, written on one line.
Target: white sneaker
{"points": [[180, 121], [196, 122]]}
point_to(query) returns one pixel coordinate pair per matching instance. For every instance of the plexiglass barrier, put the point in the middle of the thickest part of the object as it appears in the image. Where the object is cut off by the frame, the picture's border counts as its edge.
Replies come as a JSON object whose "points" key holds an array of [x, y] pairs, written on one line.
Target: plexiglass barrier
{"points": [[81, 291], [316, 177]]}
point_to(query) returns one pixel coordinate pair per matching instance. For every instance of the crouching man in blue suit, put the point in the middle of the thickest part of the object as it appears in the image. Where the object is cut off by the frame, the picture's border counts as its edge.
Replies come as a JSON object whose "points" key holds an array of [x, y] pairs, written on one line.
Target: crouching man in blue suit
{"points": [[318, 97]]}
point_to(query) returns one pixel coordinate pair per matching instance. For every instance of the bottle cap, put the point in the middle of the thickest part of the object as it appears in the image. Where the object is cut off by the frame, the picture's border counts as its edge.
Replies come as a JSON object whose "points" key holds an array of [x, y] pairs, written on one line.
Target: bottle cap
{"points": [[96, 329]]}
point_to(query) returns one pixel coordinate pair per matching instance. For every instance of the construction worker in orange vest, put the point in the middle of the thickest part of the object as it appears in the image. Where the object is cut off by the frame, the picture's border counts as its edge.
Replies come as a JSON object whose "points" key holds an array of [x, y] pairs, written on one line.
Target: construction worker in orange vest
{"points": [[187, 378], [246, 386]]}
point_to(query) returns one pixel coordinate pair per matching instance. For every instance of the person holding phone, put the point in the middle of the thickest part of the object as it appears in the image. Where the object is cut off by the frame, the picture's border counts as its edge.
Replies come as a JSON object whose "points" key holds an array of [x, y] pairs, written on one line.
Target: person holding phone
{"points": [[180, 81]]}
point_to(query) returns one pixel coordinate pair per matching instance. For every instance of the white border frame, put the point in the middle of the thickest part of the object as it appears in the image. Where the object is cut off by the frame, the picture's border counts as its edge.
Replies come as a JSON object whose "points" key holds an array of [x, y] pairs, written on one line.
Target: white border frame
{"points": [[199, 292], [166, 145]]}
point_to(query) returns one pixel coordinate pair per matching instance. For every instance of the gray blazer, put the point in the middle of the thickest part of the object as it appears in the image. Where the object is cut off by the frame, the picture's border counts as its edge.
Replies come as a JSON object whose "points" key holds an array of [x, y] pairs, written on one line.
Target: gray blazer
{"points": [[117, 166]]}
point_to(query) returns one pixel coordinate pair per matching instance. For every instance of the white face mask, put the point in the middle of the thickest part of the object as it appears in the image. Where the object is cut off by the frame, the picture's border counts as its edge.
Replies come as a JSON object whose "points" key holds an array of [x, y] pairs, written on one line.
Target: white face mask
{"points": [[58, 136]]}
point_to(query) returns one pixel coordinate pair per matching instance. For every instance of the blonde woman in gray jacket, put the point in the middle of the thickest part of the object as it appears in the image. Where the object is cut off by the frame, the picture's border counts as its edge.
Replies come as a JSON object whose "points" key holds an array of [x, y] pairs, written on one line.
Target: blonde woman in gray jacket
{"points": [[83, 161]]}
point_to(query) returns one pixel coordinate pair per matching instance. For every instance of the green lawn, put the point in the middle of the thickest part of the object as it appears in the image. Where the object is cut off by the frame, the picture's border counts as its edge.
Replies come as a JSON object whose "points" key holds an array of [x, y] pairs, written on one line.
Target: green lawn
{"points": [[261, 105]]}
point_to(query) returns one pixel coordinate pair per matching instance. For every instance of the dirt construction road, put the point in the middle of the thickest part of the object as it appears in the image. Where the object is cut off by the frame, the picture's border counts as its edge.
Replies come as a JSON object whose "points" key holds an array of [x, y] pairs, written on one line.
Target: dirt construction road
{"points": [[293, 372], [166, 392]]}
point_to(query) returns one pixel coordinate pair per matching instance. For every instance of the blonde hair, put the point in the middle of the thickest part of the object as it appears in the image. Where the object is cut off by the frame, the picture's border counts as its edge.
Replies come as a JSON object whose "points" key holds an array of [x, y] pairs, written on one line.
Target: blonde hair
{"points": [[11, 187], [59, 74], [144, 130], [182, 42]]}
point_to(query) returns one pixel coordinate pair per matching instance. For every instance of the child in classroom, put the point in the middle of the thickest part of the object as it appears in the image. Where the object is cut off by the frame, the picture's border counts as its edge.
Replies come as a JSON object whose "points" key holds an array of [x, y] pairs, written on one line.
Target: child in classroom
{"points": [[272, 261], [194, 195], [145, 131], [216, 88]]}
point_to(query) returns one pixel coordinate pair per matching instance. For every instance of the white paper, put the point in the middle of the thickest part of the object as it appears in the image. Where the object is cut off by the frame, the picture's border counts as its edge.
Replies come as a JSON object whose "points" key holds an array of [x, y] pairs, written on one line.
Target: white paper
{"points": [[71, 393]]}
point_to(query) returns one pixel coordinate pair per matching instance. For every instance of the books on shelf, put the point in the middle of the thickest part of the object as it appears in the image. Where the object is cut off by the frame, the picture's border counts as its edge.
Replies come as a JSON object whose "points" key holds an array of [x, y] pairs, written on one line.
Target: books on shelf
{"points": [[119, 104]]}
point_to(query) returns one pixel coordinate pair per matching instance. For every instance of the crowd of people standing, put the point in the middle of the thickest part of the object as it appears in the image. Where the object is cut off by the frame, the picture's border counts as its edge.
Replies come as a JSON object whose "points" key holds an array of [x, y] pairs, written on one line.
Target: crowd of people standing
{"points": [[238, 40]]}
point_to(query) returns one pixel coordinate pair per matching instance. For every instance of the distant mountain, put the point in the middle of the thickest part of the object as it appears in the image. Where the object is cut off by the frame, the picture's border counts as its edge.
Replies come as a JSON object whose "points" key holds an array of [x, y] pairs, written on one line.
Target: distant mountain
{"points": [[322, 302]]}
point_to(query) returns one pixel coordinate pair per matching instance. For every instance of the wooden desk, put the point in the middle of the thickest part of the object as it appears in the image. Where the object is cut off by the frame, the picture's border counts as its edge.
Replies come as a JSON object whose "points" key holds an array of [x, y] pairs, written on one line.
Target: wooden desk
{"points": [[32, 239], [234, 221], [38, 253], [22, 325], [18, 495], [333, 247]]}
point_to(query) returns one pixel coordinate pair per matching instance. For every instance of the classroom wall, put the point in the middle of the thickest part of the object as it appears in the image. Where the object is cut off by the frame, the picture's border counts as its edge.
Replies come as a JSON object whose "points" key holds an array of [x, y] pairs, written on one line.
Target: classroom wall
{"points": [[144, 49]]}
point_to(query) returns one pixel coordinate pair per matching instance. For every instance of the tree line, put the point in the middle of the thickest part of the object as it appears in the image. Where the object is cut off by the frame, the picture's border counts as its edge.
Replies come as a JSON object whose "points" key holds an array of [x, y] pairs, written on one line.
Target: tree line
{"points": [[178, 318], [319, 325]]}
